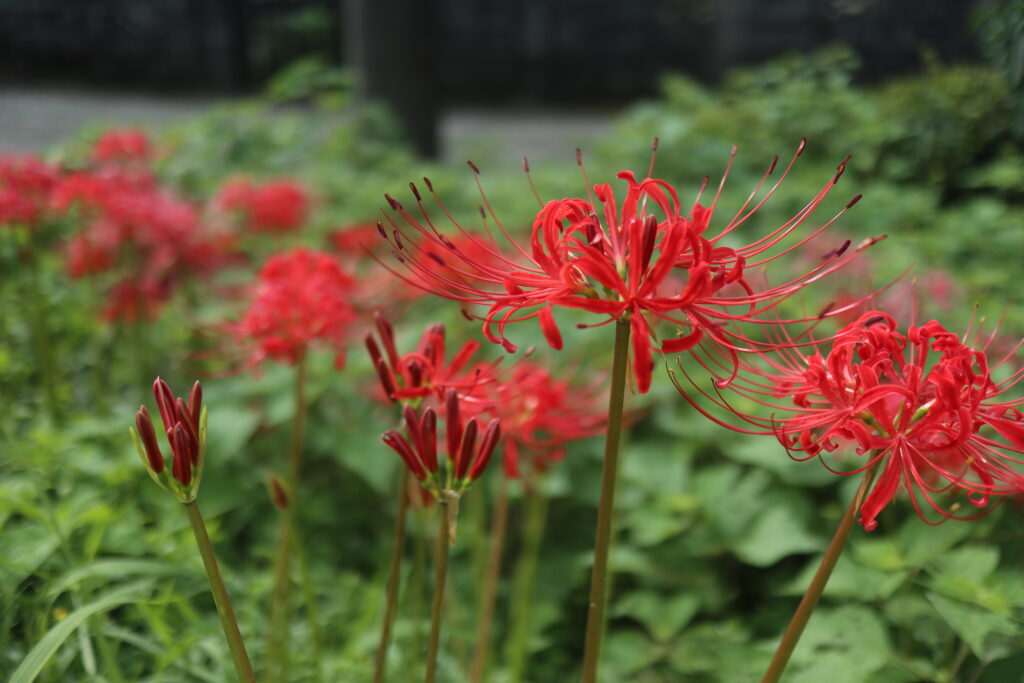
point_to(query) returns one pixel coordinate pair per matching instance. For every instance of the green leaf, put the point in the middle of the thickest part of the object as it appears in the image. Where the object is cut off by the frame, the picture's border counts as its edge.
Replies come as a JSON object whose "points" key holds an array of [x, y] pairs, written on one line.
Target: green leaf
{"points": [[114, 569], [849, 580], [778, 533], [843, 645], [55, 637], [663, 617], [986, 633], [922, 543]]}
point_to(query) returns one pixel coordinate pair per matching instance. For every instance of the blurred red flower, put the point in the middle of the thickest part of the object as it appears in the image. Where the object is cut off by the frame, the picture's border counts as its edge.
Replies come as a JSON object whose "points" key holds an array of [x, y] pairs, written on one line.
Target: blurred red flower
{"points": [[274, 206], [117, 145], [25, 186], [149, 239], [541, 414], [301, 298]]}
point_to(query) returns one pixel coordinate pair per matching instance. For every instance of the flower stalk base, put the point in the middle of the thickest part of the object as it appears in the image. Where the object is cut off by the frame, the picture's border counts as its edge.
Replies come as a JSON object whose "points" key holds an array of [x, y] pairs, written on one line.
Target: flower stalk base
{"points": [[599, 575], [810, 600]]}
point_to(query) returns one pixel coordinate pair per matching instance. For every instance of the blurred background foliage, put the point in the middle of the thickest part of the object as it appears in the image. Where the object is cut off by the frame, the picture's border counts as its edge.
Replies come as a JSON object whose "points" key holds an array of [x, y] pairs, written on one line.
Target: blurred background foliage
{"points": [[716, 533]]}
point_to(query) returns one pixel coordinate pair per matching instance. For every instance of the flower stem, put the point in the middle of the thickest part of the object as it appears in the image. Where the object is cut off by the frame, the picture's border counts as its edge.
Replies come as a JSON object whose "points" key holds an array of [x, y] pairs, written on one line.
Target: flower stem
{"points": [[599, 575], [444, 528], [499, 523], [417, 584], [810, 600], [40, 331], [309, 596], [391, 602], [220, 596], [522, 589], [277, 639]]}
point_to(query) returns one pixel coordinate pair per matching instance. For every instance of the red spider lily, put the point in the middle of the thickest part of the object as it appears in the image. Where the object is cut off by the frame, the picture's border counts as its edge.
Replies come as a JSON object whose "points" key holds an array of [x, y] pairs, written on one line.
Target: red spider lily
{"points": [[122, 145], [275, 206], [923, 403], [301, 298], [147, 237], [427, 371], [185, 428], [26, 183], [618, 261], [541, 414], [466, 454]]}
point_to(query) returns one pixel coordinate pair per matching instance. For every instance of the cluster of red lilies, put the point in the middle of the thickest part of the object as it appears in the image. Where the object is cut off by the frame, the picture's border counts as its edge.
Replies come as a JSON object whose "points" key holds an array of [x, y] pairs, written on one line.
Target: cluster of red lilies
{"points": [[925, 409]]}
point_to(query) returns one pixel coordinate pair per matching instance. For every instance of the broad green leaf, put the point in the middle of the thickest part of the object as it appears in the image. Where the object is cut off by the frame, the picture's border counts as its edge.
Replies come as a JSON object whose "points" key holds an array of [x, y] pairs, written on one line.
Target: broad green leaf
{"points": [[626, 653], [55, 637], [842, 645], [849, 580], [986, 633], [922, 543], [777, 533], [663, 616]]}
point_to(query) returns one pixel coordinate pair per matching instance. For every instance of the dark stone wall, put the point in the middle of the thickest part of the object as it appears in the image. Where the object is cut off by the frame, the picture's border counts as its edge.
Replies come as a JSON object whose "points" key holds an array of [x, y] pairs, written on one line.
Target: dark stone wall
{"points": [[560, 51]]}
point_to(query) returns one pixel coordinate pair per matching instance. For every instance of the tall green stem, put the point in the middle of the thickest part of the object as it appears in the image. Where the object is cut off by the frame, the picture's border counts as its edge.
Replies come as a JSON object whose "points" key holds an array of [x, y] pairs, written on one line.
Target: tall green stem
{"points": [[499, 522], [40, 330], [220, 596], [309, 596], [522, 588], [599, 575], [444, 528], [417, 584], [277, 639], [810, 600], [394, 572]]}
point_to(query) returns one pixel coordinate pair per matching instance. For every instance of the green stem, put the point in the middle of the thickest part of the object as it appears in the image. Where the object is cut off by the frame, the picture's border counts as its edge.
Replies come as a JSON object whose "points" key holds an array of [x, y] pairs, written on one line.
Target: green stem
{"points": [[40, 332], [220, 596], [444, 528], [522, 591], [499, 523], [810, 600], [599, 575], [417, 584], [280, 601], [391, 602], [309, 596]]}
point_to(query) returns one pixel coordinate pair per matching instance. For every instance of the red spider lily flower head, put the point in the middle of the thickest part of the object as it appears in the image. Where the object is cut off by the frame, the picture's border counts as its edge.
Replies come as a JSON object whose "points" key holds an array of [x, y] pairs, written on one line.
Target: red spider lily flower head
{"points": [[424, 372], [467, 448], [300, 299], [923, 405], [26, 183], [275, 206], [185, 427], [150, 239], [541, 414], [643, 259], [118, 145]]}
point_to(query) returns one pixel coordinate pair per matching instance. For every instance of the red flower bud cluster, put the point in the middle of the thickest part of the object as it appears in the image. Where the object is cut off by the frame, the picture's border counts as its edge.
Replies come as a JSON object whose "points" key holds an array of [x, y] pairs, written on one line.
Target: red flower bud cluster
{"points": [[275, 206], [646, 260], [301, 298], [467, 450], [185, 429], [924, 404]]}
